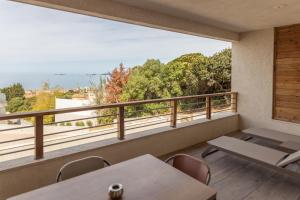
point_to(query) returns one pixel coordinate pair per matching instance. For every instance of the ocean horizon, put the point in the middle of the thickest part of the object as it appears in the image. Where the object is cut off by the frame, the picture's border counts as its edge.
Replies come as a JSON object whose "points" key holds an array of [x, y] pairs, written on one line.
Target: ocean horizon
{"points": [[33, 81]]}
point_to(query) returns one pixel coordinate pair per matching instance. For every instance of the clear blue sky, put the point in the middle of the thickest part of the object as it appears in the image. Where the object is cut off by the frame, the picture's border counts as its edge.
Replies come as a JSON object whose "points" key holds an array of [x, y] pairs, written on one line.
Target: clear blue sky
{"points": [[41, 40]]}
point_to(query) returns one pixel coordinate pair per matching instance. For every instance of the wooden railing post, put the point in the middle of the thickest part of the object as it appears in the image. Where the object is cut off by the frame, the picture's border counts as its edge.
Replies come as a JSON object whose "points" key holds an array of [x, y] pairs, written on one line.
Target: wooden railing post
{"points": [[234, 102], [173, 113], [208, 107], [121, 123], [39, 137]]}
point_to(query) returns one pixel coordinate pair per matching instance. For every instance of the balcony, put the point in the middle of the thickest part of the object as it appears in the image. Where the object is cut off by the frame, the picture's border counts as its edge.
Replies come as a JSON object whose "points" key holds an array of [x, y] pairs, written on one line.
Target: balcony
{"points": [[22, 141], [184, 122], [265, 78]]}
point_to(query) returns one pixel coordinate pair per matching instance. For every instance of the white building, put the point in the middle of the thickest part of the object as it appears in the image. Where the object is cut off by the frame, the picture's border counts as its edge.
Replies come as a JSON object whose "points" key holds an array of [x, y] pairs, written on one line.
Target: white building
{"points": [[71, 103], [2, 103]]}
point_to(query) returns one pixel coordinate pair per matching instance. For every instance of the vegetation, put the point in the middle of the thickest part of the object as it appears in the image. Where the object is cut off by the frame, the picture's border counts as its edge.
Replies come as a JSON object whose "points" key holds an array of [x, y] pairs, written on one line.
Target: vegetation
{"points": [[79, 123], [115, 83], [89, 123], [190, 74], [13, 91], [68, 124]]}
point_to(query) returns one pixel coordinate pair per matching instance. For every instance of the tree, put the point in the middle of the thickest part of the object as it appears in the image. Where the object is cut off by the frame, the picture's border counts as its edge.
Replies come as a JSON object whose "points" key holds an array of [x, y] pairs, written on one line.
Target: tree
{"points": [[187, 75], [98, 90], [220, 69], [115, 83], [46, 85], [15, 90], [15, 105], [45, 101], [145, 82], [20, 104], [190, 74]]}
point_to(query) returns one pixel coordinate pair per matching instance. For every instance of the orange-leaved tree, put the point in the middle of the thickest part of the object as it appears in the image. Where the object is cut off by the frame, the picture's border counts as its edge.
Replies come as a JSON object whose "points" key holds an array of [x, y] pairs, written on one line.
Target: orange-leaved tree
{"points": [[115, 83]]}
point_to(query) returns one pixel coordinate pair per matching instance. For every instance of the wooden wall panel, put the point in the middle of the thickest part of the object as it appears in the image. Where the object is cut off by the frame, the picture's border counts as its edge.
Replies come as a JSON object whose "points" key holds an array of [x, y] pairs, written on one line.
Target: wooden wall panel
{"points": [[286, 105]]}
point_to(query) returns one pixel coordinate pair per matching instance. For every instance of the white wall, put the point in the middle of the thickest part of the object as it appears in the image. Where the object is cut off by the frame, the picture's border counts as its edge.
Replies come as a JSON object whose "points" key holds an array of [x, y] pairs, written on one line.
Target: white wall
{"points": [[2, 103], [252, 78], [71, 103]]}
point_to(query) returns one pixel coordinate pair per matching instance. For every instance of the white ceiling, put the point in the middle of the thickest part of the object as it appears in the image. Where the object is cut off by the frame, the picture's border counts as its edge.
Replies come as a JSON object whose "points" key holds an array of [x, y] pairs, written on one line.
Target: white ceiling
{"points": [[234, 15]]}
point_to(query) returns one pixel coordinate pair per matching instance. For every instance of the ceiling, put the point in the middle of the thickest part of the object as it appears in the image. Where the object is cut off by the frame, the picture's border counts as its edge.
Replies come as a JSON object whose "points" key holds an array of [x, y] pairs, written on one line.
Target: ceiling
{"points": [[233, 15]]}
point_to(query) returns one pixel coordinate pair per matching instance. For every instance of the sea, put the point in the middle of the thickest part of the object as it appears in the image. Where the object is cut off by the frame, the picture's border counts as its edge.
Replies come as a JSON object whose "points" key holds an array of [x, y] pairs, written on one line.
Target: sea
{"points": [[33, 81]]}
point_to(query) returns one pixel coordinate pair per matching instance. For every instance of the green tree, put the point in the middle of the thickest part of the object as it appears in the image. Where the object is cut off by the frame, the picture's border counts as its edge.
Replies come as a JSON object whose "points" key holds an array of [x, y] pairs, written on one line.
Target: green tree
{"points": [[190, 74], [15, 105], [187, 75], [145, 82], [14, 90], [220, 69], [20, 104]]}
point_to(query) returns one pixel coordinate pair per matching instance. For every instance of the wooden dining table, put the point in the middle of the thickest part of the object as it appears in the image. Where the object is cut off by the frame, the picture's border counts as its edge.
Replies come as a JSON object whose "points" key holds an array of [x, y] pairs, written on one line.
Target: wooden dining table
{"points": [[143, 178]]}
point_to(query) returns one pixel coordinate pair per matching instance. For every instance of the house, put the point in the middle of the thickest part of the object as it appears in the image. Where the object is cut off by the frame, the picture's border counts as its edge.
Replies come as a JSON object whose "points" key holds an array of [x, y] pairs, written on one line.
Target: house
{"points": [[73, 103]]}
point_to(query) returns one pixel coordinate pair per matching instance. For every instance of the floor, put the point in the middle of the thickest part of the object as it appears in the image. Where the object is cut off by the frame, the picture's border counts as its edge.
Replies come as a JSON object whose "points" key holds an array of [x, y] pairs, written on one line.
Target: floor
{"points": [[237, 179]]}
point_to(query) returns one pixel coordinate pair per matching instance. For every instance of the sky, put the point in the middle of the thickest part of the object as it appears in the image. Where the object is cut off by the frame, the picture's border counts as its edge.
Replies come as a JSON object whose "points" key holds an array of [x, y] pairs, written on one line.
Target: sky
{"points": [[41, 40]]}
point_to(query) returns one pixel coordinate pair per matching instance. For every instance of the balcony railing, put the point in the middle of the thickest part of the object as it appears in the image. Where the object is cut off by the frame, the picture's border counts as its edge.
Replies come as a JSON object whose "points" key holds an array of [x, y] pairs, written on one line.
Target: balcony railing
{"points": [[125, 116]]}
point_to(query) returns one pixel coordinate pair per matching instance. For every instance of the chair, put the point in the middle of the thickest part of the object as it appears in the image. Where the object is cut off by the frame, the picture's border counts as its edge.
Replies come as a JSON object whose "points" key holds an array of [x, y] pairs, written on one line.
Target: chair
{"points": [[191, 166], [81, 166], [289, 141], [271, 158]]}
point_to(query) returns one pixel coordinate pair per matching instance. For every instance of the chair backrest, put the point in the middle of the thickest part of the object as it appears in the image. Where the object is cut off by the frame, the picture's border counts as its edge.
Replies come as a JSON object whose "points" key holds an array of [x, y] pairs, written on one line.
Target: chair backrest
{"points": [[81, 166], [191, 166]]}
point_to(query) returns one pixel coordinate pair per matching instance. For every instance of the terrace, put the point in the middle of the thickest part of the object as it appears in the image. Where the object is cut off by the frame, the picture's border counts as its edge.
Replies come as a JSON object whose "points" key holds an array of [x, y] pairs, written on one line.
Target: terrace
{"points": [[265, 85]]}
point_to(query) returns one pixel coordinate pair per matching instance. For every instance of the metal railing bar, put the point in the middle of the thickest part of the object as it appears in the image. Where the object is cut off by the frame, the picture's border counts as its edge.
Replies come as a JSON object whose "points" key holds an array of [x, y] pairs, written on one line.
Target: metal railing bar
{"points": [[73, 120], [186, 104], [191, 116], [15, 147], [116, 105], [12, 146], [78, 135], [222, 105], [79, 129], [98, 135], [50, 134], [197, 110], [229, 109], [145, 122], [148, 125], [61, 132], [146, 110], [17, 128], [141, 118], [4, 154], [63, 138], [16, 140]]}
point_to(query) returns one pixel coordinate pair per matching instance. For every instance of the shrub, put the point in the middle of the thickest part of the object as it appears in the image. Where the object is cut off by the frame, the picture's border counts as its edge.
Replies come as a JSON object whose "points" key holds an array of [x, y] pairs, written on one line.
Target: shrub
{"points": [[62, 124], [89, 123], [80, 123], [68, 124]]}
